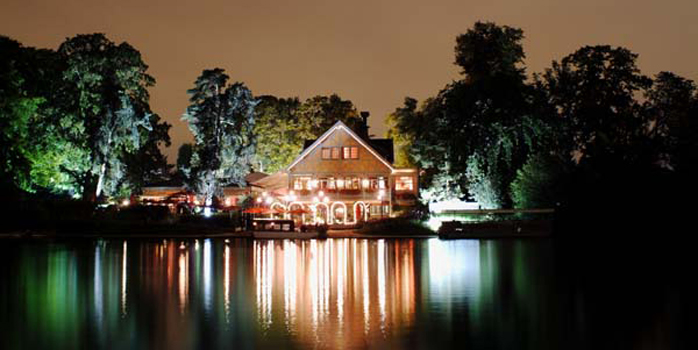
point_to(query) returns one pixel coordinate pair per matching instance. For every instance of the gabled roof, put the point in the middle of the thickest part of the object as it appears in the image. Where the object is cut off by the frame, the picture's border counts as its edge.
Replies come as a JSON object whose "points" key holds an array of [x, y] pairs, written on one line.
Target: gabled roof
{"points": [[341, 126]]}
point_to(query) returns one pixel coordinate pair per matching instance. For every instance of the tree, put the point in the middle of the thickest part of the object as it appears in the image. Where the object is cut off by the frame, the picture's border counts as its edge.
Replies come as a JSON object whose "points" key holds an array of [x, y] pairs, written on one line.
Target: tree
{"points": [[148, 164], [221, 117], [489, 50], [183, 166], [473, 135], [671, 108], [23, 88], [593, 90], [401, 130], [539, 183], [283, 125], [106, 107], [279, 137]]}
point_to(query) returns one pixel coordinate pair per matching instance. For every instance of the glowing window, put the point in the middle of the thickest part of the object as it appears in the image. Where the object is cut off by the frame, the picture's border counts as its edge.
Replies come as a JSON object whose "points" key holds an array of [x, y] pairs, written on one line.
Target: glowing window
{"points": [[404, 183], [326, 153], [335, 153], [301, 183], [351, 152]]}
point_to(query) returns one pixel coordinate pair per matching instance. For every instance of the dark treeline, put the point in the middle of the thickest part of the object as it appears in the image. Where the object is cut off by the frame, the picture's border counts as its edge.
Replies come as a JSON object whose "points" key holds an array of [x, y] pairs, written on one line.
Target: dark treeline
{"points": [[591, 133]]}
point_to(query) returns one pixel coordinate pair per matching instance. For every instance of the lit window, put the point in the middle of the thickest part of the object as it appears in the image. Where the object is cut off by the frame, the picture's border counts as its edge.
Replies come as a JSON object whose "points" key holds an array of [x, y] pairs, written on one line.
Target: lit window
{"points": [[326, 153], [404, 183], [301, 183], [335, 153], [350, 152]]}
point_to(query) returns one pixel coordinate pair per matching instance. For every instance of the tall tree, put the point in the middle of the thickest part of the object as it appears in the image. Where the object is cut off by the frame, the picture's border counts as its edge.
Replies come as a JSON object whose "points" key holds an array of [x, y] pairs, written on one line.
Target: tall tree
{"points": [[476, 132], [148, 164], [593, 90], [108, 102], [222, 119], [671, 106]]}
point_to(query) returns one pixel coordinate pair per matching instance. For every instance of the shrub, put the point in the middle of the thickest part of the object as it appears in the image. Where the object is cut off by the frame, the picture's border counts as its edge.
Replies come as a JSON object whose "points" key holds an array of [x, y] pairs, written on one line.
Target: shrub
{"points": [[538, 182]]}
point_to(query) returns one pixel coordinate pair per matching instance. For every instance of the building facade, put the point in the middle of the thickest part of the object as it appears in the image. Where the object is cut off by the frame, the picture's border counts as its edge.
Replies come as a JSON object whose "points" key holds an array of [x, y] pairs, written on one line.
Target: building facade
{"points": [[343, 179]]}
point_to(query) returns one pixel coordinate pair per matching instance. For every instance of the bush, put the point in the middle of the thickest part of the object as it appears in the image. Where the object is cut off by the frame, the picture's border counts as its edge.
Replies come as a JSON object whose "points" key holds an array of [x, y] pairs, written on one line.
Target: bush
{"points": [[538, 182]]}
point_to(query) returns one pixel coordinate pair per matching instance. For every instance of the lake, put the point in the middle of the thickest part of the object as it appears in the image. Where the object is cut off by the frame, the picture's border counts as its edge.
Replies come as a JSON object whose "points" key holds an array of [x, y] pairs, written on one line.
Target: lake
{"points": [[350, 293]]}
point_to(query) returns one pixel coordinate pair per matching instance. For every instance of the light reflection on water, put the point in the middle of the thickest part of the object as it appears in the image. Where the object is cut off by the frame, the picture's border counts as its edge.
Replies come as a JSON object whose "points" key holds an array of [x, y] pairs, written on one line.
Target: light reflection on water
{"points": [[291, 293]]}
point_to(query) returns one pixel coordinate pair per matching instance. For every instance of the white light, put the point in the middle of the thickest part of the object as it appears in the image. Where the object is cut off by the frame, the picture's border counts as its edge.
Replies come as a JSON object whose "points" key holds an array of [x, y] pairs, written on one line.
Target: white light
{"points": [[321, 194], [293, 197], [207, 212], [365, 183], [381, 193], [268, 200], [293, 192], [287, 198], [208, 201], [227, 202], [259, 199], [326, 199], [126, 203], [340, 183], [196, 202], [264, 194]]}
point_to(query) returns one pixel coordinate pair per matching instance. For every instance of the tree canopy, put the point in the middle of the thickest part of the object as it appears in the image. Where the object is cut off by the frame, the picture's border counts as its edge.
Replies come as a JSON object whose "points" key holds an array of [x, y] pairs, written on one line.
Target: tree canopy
{"points": [[221, 117], [283, 124], [86, 109]]}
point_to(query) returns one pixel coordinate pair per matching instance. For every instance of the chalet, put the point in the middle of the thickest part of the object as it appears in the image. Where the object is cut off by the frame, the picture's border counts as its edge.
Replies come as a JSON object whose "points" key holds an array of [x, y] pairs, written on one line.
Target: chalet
{"points": [[342, 178]]}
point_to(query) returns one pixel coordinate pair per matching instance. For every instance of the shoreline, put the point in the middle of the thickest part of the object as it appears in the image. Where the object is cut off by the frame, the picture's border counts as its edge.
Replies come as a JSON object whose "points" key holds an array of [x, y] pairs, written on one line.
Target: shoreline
{"points": [[45, 235]]}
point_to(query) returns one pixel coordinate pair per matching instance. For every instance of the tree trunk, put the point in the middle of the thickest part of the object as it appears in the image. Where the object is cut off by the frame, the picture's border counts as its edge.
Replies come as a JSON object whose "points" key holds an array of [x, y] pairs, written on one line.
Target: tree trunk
{"points": [[100, 180]]}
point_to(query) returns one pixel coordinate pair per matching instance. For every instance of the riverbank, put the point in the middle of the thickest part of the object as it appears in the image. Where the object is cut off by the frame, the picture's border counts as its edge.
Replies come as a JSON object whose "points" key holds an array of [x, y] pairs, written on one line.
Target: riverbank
{"points": [[215, 234]]}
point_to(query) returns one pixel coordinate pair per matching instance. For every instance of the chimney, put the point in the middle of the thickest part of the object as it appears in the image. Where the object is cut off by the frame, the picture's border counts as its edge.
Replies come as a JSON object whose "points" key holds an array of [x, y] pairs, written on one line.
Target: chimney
{"points": [[363, 127]]}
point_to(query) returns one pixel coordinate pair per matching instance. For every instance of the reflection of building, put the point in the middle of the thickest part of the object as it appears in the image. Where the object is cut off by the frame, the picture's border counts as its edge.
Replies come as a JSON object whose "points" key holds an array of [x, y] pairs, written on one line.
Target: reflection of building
{"points": [[330, 292], [344, 178]]}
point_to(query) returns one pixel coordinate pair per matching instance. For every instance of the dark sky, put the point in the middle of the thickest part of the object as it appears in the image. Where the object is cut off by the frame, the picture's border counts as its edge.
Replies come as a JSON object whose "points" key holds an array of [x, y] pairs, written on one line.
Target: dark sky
{"points": [[372, 52]]}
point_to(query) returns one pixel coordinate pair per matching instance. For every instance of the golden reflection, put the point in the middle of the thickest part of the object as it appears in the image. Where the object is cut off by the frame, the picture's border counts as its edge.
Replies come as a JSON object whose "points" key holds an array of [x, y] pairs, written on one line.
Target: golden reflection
{"points": [[331, 290], [183, 282]]}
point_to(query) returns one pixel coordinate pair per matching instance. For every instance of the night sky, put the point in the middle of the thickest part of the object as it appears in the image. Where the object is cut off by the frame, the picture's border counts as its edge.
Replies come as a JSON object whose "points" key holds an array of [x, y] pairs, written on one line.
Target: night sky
{"points": [[371, 52]]}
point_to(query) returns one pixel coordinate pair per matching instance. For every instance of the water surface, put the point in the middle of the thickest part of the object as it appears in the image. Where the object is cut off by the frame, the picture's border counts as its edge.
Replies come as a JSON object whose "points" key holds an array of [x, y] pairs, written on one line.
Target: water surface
{"points": [[355, 293]]}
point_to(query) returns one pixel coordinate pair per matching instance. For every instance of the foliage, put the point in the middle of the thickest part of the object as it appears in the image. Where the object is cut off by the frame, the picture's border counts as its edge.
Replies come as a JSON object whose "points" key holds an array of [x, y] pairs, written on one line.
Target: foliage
{"points": [[76, 120], [473, 135], [283, 125], [401, 131], [108, 99], [222, 119], [593, 90], [671, 108], [278, 132], [538, 183]]}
